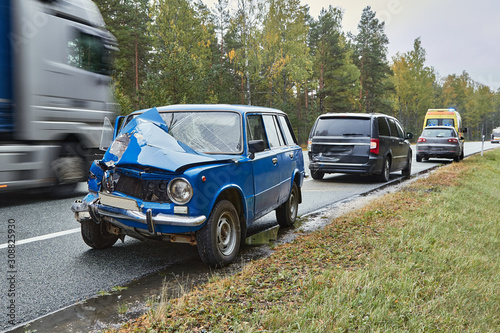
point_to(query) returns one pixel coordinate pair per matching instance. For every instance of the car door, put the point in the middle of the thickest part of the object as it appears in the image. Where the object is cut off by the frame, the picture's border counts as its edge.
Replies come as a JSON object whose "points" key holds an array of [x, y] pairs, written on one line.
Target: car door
{"points": [[266, 173], [399, 146]]}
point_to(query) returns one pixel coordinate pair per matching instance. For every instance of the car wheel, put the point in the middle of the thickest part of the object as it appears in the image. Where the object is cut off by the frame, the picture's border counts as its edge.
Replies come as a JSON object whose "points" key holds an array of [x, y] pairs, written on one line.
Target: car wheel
{"points": [[457, 158], [219, 240], [406, 172], [318, 175], [385, 174], [286, 214], [462, 154], [419, 158], [96, 236]]}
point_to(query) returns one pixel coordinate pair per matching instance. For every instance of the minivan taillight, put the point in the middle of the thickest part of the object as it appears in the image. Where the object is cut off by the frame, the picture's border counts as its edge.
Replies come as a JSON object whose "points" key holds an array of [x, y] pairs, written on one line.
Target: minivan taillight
{"points": [[421, 140], [453, 140], [374, 146]]}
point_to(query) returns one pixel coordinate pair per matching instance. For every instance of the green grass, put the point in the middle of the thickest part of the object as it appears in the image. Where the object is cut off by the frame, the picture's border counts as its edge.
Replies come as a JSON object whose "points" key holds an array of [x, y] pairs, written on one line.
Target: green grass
{"points": [[423, 259]]}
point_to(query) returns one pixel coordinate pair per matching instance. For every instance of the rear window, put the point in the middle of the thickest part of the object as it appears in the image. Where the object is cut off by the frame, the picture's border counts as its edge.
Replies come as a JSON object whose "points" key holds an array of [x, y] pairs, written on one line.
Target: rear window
{"points": [[438, 133], [344, 126]]}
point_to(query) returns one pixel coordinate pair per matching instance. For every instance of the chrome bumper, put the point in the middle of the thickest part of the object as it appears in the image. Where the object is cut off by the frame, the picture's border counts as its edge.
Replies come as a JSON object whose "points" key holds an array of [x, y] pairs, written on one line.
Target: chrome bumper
{"points": [[96, 210]]}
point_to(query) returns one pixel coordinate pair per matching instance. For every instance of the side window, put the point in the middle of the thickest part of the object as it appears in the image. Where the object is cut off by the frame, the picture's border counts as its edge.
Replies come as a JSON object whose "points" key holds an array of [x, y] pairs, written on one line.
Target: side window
{"points": [[87, 52], [285, 126], [383, 128], [273, 132], [255, 129], [393, 127]]}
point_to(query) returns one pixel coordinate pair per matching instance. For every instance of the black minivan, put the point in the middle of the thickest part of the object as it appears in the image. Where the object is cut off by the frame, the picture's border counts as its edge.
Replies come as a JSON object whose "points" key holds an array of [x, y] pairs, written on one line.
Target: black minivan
{"points": [[362, 143]]}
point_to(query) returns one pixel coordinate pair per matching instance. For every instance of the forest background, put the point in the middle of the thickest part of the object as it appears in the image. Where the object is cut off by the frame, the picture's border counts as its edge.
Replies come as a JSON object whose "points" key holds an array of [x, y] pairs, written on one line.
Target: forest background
{"points": [[274, 53]]}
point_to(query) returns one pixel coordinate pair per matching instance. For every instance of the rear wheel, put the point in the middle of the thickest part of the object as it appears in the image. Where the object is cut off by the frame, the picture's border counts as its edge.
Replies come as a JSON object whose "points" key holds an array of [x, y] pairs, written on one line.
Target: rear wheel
{"points": [[96, 236], [318, 175], [457, 158], [419, 158], [406, 172], [219, 240], [384, 176], [286, 214]]}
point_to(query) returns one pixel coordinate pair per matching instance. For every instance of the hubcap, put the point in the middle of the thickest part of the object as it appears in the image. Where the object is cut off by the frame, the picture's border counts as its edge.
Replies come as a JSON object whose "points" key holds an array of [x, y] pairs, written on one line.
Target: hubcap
{"points": [[225, 234]]}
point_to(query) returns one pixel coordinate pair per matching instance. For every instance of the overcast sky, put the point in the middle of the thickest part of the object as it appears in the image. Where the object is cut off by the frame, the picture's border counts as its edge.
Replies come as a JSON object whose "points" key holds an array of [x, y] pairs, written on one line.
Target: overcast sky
{"points": [[458, 35]]}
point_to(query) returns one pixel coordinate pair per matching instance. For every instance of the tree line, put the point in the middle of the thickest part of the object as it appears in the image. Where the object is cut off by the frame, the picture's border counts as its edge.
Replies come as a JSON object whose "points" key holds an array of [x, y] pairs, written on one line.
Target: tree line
{"points": [[274, 53]]}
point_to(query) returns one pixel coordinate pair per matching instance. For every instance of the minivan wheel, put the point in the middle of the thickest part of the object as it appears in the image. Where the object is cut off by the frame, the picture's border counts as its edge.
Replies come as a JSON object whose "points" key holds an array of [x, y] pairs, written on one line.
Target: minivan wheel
{"points": [[219, 240], [406, 172], [318, 175], [384, 176]]}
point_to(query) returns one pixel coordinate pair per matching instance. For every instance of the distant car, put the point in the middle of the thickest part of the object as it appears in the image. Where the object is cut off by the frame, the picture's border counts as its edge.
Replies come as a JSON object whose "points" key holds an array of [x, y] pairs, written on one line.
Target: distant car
{"points": [[359, 143], [440, 142], [198, 174]]}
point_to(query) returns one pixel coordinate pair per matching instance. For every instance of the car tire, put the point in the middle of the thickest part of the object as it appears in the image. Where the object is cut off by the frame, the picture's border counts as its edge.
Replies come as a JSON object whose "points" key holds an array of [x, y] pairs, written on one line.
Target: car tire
{"points": [[385, 174], [462, 154], [419, 158], [219, 240], [286, 214], [96, 236], [317, 175], [406, 172], [457, 158]]}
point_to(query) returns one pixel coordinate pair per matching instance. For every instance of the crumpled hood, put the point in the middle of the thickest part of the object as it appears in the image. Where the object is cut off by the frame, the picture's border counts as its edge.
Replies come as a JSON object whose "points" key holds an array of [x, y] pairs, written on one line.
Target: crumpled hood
{"points": [[145, 142]]}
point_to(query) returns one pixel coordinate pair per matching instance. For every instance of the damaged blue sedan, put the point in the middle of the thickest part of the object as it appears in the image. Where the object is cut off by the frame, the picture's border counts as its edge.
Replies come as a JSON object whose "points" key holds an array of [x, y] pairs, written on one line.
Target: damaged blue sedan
{"points": [[198, 174]]}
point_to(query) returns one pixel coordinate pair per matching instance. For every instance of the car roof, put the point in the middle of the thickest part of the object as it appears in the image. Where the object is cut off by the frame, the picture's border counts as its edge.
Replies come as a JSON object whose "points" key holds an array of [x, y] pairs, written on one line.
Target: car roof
{"points": [[439, 127], [242, 109], [353, 114]]}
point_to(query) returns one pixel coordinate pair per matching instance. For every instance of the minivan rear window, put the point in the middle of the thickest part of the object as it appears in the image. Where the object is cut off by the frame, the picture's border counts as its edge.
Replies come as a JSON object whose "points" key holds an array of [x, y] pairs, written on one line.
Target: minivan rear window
{"points": [[342, 126]]}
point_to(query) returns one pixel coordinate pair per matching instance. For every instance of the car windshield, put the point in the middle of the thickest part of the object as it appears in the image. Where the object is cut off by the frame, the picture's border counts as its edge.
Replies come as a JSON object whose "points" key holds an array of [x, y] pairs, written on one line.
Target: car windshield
{"points": [[440, 122], [342, 126], [438, 133], [206, 132]]}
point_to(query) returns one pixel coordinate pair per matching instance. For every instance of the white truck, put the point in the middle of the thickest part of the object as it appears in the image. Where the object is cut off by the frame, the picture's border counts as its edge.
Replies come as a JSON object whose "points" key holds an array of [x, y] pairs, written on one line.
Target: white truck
{"points": [[55, 65]]}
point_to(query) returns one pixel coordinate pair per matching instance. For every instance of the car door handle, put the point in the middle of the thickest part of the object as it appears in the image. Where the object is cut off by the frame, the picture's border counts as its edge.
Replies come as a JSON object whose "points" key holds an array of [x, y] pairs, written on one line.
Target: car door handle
{"points": [[275, 160], [291, 155]]}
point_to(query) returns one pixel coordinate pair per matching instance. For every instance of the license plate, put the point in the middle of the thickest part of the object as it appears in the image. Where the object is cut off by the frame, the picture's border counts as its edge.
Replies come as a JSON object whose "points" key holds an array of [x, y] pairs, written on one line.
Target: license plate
{"points": [[119, 202]]}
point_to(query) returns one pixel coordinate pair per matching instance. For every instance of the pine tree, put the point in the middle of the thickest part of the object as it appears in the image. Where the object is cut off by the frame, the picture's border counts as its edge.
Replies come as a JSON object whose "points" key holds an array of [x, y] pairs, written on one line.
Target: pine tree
{"points": [[371, 59]]}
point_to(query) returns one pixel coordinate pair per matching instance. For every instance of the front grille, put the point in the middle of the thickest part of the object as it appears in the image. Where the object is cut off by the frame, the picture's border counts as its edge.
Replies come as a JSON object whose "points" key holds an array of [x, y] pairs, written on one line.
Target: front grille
{"points": [[152, 190]]}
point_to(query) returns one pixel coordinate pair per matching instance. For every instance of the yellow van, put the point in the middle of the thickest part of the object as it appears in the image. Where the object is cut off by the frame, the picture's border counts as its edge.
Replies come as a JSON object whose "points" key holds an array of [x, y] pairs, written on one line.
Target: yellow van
{"points": [[445, 117]]}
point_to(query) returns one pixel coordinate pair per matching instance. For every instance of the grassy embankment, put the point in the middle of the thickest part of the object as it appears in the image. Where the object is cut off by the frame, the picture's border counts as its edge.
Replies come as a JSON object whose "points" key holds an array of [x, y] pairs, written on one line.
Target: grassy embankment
{"points": [[423, 259]]}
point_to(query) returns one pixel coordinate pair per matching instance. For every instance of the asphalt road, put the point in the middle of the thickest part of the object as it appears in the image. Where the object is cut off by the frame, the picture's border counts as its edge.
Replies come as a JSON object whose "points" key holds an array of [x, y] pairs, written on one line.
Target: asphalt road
{"points": [[52, 268]]}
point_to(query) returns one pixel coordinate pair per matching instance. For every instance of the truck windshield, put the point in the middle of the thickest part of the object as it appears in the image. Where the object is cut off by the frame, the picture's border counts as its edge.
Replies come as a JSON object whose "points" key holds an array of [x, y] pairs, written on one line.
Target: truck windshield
{"points": [[440, 122]]}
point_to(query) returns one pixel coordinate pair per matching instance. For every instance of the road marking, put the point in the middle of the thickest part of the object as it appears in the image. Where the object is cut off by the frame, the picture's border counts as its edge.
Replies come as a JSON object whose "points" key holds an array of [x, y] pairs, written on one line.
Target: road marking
{"points": [[44, 237]]}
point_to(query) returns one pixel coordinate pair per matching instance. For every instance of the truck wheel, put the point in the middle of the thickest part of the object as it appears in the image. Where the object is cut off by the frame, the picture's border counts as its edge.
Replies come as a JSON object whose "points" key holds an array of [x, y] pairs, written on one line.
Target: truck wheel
{"points": [[318, 175], [286, 214], [69, 171], [406, 172], [219, 240], [385, 174], [96, 236]]}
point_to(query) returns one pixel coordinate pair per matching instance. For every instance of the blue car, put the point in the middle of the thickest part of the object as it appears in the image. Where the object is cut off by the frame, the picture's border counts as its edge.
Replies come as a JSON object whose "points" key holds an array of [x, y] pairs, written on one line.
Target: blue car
{"points": [[198, 174]]}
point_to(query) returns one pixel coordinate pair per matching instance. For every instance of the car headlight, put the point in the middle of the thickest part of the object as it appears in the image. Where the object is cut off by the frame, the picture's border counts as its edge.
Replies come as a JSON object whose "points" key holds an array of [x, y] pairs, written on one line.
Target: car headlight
{"points": [[180, 191]]}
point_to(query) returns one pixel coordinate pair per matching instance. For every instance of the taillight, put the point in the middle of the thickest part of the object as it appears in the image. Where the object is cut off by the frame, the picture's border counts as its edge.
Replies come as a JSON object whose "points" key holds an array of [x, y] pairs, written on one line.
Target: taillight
{"points": [[374, 146], [422, 140], [453, 140]]}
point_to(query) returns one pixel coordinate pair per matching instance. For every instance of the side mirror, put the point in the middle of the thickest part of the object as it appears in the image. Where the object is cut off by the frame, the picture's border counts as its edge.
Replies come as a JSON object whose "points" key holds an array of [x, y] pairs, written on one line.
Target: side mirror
{"points": [[409, 136], [255, 146], [464, 130]]}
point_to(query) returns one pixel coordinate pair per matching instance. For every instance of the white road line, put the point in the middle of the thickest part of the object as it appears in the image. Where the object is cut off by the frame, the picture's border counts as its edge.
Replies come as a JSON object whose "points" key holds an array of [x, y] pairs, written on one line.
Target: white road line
{"points": [[44, 237]]}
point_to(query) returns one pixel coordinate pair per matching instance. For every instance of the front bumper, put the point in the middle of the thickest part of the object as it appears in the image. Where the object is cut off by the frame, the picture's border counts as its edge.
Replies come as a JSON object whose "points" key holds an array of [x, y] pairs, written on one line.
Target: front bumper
{"points": [[92, 208]]}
